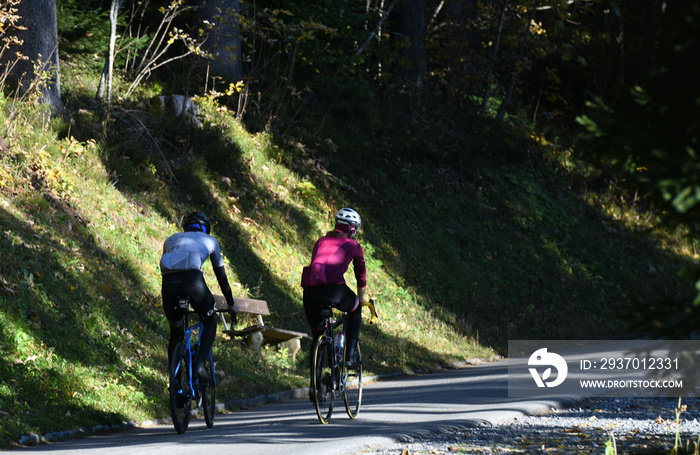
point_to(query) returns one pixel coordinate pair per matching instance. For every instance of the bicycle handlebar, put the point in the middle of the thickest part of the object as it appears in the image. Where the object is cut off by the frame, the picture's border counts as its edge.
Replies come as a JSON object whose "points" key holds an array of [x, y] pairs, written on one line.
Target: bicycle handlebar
{"points": [[372, 309]]}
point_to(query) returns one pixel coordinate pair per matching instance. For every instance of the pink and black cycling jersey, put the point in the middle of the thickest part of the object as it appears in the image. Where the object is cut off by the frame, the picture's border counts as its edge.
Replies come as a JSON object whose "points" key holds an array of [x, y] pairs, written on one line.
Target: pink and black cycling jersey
{"points": [[336, 253]]}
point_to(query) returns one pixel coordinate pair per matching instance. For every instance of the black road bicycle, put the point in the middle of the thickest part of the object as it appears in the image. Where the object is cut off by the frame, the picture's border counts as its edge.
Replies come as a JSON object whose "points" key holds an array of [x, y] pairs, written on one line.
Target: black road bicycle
{"points": [[330, 377]]}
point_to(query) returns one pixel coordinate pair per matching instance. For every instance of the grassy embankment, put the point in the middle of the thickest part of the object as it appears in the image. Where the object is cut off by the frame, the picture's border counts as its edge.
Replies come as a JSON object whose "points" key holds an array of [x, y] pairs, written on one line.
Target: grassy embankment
{"points": [[466, 250]]}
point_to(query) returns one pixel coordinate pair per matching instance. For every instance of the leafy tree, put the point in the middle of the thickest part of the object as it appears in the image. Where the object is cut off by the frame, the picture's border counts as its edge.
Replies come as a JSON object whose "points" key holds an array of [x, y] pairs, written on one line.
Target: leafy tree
{"points": [[83, 27], [409, 38], [650, 135], [224, 37], [651, 131]]}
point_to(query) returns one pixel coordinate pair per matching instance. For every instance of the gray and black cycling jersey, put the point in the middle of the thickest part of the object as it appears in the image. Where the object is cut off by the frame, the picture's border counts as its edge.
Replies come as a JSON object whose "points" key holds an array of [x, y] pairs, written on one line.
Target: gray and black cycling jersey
{"points": [[189, 251]]}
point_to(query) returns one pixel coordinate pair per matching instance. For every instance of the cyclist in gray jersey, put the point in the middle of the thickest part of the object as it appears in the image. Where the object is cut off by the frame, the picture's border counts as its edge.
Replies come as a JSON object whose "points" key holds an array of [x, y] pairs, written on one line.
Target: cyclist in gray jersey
{"points": [[184, 254]]}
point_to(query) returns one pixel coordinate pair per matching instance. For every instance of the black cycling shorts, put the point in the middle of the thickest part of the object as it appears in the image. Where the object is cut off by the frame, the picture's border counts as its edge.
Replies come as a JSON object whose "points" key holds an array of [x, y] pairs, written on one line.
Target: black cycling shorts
{"points": [[188, 283], [339, 295]]}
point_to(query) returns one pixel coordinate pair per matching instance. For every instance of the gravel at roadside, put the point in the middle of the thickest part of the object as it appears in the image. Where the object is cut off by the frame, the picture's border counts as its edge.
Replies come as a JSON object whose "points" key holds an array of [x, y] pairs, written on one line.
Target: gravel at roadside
{"points": [[638, 425]]}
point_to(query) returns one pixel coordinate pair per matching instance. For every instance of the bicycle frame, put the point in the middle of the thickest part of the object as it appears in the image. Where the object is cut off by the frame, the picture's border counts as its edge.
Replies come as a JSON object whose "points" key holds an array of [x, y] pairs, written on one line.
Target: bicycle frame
{"points": [[331, 326], [197, 328], [184, 385], [338, 368]]}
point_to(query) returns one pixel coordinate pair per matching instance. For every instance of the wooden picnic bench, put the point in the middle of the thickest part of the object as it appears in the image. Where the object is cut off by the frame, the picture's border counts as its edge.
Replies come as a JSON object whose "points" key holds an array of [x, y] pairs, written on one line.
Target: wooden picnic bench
{"points": [[258, 332]]}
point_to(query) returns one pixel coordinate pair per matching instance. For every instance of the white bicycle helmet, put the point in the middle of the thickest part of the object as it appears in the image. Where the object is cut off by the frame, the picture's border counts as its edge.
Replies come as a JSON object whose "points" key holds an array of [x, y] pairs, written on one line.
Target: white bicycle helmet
{"points": [[351, 218]]}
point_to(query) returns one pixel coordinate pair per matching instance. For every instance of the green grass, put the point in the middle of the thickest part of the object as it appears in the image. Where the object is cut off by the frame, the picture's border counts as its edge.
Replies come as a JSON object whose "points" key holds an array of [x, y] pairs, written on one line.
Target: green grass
{"points": [[465, 251]]}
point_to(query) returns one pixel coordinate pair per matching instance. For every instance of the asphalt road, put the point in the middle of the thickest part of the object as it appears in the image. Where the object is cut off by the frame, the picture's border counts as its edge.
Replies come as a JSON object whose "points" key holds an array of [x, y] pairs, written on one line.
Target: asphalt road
{"points": [[391, 410]]}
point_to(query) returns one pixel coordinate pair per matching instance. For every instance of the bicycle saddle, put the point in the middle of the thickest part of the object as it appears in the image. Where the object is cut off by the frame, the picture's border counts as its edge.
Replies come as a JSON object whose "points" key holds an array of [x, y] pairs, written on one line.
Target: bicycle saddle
{"points": [[327, 311], [183, 303]]}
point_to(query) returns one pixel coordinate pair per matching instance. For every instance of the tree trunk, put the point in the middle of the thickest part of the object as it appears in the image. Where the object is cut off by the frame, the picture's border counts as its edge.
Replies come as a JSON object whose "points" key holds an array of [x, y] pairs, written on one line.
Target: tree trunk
{"points": [[492, 59], [224, 40], [410, 25], [107, 72], [516, 68], [40, 45]]}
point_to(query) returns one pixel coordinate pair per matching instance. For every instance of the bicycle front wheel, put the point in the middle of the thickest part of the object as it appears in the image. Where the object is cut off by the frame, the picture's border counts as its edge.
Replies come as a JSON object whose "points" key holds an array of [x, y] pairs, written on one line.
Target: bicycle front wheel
{"points": [[322, 379], [180, 403], [209, 393], [352, 393]]}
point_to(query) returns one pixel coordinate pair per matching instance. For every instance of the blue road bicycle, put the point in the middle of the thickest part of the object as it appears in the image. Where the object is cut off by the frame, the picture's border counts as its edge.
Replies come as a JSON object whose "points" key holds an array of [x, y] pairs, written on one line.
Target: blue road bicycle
{"points": [[186, 393]]}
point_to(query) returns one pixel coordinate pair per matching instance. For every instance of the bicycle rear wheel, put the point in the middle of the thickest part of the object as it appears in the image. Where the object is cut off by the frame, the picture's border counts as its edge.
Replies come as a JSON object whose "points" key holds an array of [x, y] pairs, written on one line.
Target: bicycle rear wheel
{"points": [[322, 379], [352, 394], [209, 393], [180, 403]]}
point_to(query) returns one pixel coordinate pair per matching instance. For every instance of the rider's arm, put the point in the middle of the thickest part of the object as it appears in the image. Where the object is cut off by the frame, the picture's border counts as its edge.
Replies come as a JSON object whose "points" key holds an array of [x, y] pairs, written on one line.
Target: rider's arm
{"points": [[217, 262], [220, 273], [361, 294], [358, 264]]}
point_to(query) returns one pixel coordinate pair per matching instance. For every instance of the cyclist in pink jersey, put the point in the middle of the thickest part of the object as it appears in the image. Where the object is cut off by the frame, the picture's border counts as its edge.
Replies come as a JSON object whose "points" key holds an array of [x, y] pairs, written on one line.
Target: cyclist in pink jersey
{"points": [[323, 280]]}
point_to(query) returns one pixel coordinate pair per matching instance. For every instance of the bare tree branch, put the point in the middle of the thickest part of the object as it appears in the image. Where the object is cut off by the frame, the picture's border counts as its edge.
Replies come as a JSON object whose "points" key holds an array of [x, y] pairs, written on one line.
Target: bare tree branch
{"points": [[385, 16]]}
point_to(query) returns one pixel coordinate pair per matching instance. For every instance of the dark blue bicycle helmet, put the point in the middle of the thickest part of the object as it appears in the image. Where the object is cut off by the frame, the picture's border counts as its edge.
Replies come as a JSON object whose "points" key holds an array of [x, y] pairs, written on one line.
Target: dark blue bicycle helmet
{"points": [[196, 221]]}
